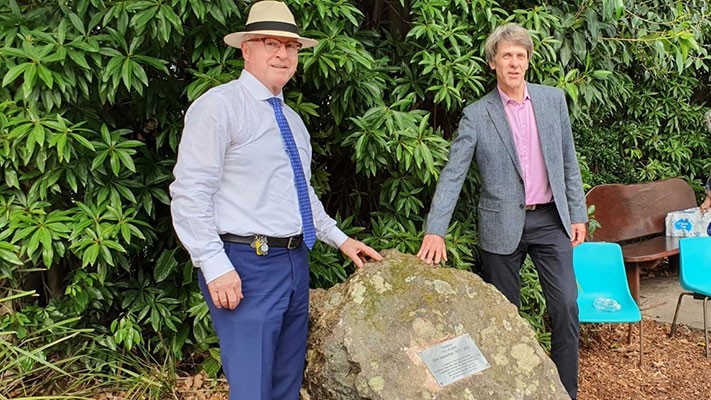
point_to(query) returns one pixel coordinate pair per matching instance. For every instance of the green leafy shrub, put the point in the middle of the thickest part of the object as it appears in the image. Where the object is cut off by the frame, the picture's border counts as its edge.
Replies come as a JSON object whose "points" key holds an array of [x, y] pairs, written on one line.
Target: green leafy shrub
{"points": [[94, 92]]}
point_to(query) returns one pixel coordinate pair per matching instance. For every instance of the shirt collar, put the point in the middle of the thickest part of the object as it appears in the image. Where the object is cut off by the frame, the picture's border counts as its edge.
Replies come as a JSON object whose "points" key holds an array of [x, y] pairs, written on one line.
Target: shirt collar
{"points": [[257, 88], [506, 99]]}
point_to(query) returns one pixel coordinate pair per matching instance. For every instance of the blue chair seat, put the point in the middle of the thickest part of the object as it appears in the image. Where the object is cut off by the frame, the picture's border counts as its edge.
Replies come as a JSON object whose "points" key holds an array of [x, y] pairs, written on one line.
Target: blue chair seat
{"points": [[600, 272], [703, 288], [628, 312]]}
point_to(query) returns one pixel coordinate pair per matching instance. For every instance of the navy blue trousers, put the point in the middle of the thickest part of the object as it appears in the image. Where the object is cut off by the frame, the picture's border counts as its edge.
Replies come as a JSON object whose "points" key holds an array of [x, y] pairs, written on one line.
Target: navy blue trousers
{"points": [[263, 340], [549, 247]]}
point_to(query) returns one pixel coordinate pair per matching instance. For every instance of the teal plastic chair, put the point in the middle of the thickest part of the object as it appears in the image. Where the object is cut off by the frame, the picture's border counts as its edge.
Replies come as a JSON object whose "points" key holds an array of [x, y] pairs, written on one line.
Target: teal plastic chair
{"points": [[600, 272], [695, 275]]}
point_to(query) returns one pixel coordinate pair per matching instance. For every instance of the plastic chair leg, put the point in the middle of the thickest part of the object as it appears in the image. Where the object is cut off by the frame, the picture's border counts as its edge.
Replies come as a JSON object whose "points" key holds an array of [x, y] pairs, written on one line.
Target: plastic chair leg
{"points": [[706, 331], [629, 333], [676, 313], [640, 343]]}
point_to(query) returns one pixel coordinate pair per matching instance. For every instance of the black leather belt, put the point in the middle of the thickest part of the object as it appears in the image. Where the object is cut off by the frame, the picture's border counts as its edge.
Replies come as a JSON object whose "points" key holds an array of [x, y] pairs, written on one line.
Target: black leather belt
{"points": [[534, 207], [287, 242]]}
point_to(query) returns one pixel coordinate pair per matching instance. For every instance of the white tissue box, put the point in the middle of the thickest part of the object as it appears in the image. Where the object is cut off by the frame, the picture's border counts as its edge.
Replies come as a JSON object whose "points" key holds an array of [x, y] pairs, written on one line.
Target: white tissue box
{"points": [[691, 222]]}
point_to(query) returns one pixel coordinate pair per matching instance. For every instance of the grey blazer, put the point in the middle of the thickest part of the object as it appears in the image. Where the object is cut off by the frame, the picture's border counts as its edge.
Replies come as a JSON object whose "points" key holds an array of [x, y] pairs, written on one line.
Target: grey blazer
{"points": [[485, 136]]}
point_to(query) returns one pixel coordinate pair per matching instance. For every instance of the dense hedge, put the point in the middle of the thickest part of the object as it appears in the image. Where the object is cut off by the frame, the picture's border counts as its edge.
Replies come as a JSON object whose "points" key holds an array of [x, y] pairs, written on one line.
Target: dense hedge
{"points": [[94, 92]]}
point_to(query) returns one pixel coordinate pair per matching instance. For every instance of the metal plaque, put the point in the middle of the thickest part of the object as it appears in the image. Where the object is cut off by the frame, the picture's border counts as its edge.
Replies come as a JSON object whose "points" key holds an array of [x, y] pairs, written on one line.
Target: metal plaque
{"points": [[454, 359]]}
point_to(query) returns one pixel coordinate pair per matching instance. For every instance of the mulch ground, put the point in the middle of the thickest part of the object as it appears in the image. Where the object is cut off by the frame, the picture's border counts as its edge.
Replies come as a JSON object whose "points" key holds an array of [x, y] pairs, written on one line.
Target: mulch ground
{"points": [[673, 368]]}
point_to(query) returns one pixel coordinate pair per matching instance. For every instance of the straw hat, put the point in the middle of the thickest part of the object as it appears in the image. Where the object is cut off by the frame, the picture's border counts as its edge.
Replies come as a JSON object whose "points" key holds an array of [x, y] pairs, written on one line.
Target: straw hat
{"points": [[269, 18]]}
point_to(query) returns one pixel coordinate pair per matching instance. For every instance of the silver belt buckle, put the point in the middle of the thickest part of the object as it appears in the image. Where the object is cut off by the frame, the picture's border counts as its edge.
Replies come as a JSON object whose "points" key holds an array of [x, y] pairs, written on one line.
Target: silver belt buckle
{"points": [[289, 245]]}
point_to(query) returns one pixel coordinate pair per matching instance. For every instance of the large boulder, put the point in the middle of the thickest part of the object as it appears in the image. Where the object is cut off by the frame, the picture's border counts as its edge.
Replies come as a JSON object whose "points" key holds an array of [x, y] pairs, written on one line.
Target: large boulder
{"points": [[365, 335]]}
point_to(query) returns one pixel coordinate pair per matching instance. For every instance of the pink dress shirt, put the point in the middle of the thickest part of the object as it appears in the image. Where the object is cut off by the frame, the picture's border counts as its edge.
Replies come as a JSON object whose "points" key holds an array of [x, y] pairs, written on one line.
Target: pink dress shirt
{"points": [[522, 121]]}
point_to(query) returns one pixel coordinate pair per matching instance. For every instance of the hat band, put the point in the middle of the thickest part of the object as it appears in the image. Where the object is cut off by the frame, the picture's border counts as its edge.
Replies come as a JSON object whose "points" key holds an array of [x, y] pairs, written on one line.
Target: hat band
{"points": [[272, 26]]}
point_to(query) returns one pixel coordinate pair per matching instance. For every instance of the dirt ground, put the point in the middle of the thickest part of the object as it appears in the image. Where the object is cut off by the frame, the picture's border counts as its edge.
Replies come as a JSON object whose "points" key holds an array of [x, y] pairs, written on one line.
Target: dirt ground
{"points": [[673, 368]]}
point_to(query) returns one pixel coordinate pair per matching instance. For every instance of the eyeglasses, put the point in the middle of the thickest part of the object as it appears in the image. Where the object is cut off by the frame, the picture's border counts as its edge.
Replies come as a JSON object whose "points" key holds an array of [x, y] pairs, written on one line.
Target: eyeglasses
{"points": [[273, 45]]}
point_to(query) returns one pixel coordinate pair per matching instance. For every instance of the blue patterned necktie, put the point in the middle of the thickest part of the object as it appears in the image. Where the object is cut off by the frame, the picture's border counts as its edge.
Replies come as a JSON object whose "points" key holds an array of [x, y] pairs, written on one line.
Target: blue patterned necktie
{"points": [[307, 219]]}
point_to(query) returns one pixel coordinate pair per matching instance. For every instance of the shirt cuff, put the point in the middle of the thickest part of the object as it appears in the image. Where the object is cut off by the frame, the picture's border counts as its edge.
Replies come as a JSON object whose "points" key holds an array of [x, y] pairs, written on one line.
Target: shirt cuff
{"points": [[215, 267], [335, 238]]}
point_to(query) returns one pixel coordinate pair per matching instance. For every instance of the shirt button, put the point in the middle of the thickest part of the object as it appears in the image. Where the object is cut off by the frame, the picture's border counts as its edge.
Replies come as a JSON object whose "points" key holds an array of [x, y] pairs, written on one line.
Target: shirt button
{"points": [[521, 206]]}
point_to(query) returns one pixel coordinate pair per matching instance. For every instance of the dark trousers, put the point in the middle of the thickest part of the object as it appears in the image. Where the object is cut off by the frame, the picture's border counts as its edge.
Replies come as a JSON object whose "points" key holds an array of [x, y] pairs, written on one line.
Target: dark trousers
{"points": [[263, 340], [546, 242]]}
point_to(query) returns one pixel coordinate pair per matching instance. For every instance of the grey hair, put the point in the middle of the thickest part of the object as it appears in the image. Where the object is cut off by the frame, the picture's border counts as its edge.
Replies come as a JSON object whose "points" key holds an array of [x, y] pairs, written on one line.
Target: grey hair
{"points": [[510, 32]]}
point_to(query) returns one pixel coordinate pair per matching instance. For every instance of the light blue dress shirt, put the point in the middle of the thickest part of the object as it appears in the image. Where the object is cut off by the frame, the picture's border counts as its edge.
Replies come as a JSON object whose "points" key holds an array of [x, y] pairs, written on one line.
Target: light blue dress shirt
{"points": [[233, 175]]}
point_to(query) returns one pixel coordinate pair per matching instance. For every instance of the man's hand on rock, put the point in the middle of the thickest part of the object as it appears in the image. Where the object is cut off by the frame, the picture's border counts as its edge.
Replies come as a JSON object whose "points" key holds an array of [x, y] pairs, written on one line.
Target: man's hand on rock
{"points": [[432, 249], [359, 252]]}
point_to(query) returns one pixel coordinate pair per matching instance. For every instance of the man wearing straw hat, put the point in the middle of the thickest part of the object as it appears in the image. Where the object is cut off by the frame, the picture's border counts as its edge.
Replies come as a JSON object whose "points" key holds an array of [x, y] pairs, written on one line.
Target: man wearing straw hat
{"points": [[243, 207]]}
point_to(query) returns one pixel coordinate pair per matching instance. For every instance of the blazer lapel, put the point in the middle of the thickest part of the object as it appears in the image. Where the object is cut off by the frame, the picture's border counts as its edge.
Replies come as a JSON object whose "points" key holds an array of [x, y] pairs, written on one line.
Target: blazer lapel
{"points": [[495, 108], [543, 120]]}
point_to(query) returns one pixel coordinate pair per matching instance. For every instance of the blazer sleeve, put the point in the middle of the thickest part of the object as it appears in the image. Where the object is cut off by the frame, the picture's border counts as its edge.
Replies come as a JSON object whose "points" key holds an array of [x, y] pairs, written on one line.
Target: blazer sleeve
{"points": [[573, 180], [452, 178]]}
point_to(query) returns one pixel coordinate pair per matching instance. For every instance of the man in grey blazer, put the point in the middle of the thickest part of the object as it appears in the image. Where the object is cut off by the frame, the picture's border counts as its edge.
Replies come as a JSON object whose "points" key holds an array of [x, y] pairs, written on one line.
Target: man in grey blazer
{"points": [[531, 196]]}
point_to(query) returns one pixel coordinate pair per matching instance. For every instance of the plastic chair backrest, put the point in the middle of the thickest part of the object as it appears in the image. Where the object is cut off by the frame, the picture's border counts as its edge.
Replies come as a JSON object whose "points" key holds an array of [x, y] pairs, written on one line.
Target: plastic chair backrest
{"points": [[600, 273], [695, 264]]}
